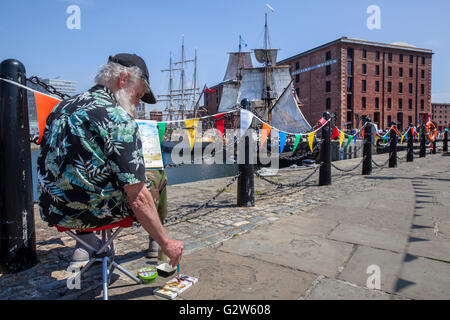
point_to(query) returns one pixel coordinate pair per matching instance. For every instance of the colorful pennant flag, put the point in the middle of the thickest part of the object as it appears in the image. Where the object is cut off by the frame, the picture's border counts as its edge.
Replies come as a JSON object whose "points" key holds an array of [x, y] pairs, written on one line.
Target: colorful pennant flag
{"points": [[191, 124], [161, 130], [44, 105], [401, 140], [220, 123], [350, 138], [322, 121], [311, 140], [354, 139], [282, 141], [246, 121], [376, 139], [335, 133], [395, 129], [298, 138], [264, 133], [341, 139]]}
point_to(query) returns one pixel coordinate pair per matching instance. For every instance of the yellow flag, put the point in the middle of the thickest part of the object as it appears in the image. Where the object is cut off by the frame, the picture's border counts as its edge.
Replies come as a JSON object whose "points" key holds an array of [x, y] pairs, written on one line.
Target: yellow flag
{"points": [[376, 139], [401, 140], [264, 133], [311, 140], [191, 126], [341, 138]]}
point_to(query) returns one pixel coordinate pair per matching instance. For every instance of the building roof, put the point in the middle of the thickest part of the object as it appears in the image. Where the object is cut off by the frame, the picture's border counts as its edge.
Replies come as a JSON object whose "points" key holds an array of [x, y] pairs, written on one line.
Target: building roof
{"points": [[395, 45]]}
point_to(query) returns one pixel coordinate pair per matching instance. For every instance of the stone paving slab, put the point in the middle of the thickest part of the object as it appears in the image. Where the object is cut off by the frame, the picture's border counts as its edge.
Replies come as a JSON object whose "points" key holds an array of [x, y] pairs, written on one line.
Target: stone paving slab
{"points": [[277, 244], [402, 274]]}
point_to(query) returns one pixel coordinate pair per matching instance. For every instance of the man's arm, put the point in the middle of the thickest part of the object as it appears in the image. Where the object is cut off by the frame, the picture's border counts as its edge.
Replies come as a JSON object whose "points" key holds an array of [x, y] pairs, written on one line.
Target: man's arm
{"points": [[141, 202]]}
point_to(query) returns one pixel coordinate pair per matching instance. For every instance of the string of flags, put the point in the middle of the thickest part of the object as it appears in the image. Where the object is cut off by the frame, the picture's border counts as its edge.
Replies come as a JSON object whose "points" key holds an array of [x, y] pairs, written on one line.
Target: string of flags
{"points": [[45, 104]]}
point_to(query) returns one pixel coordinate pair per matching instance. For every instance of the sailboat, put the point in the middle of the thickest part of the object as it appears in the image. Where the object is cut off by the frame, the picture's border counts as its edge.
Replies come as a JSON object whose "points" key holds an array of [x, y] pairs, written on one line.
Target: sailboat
{"points": [[268, 88]]}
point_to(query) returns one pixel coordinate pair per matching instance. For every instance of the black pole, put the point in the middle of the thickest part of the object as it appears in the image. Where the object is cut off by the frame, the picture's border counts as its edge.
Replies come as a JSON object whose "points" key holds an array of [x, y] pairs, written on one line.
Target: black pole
{"points": [[393, 147], [445, 148], [367, 151], [325, 153], [17, 232], [434, 146], [246, 184], [422, 153], [410, 137]]}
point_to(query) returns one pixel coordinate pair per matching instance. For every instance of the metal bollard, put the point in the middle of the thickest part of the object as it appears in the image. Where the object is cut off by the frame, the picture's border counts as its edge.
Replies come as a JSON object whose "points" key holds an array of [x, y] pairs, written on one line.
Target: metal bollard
{"points": [[17, 231], [445, 148], [367, 149], [325, 153], [422, 153], [410, 152], [393, 147], [246, 183], [434, 151]]}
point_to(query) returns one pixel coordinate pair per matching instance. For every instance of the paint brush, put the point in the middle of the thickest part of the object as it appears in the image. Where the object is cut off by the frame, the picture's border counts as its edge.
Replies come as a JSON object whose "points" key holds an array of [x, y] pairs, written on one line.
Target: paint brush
{"points": [[178, 272]]}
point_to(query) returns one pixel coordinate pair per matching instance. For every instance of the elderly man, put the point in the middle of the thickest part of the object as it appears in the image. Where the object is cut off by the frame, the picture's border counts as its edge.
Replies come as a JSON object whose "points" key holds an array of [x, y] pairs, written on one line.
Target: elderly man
{"points": [[91, 169]]}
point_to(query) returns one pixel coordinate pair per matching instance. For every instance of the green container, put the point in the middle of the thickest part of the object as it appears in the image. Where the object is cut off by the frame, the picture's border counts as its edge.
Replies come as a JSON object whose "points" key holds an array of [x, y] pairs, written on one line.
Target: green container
{"points": [[147, 275]]}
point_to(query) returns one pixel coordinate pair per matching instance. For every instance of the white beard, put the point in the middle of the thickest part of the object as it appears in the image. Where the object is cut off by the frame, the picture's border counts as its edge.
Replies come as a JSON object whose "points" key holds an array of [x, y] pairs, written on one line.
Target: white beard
{"points": [[123, 97]]}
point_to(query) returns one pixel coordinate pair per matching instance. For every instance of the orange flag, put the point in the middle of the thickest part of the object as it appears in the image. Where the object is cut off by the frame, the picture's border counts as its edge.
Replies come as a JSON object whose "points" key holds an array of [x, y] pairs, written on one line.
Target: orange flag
{"points": [[264, 133], [44, 105]]}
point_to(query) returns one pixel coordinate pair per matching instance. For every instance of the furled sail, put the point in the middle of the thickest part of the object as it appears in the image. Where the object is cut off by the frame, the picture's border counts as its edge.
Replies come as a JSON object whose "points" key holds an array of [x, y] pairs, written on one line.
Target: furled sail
{"points": [[286, 114], [236, 62], [229, 99]]}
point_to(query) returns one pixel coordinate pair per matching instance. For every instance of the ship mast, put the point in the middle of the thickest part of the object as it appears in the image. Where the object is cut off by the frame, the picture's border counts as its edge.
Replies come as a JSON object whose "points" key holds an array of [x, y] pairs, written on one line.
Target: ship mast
{"points": [[179, 95], [266, 67]]}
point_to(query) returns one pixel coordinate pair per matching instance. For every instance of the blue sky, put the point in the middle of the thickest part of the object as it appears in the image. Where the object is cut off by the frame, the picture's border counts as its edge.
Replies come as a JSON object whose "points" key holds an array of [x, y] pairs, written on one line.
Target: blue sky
{"points": [[35, 32]]}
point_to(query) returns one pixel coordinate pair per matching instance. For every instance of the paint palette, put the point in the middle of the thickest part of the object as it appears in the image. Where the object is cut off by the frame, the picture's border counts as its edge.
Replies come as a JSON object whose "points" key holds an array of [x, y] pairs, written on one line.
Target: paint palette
{"points": [[173, 288]]}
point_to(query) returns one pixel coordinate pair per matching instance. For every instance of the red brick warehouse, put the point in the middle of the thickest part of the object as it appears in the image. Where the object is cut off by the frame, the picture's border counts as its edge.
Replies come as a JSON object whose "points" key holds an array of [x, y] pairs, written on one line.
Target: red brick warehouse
{"points": [[352, 78]]}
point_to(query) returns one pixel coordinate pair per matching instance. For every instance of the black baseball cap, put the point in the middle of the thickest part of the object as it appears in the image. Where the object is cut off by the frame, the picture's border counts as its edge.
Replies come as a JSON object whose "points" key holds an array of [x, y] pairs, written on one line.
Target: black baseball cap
{"points": [[133, 60]]}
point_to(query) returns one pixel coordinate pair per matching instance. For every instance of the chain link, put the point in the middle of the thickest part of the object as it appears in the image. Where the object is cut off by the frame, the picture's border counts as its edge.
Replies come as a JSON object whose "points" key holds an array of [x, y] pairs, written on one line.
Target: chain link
{"points": [[49, 88], [380, 166], [290, 185], [348, 170], [178, 218]]}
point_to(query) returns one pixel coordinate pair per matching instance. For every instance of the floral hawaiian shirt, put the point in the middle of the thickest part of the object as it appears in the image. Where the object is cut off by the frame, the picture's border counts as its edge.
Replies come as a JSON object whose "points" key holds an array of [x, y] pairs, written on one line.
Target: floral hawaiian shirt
{"points": [[90, 150]]}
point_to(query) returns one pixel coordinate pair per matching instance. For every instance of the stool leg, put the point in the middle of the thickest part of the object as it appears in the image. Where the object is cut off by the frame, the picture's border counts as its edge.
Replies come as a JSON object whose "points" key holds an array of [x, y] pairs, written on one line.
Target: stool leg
{"points": [[105, 278]]}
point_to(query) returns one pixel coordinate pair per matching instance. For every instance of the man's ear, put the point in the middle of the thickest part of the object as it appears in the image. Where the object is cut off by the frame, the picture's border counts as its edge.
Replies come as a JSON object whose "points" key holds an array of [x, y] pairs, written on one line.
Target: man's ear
{"points": [[123, 79]]}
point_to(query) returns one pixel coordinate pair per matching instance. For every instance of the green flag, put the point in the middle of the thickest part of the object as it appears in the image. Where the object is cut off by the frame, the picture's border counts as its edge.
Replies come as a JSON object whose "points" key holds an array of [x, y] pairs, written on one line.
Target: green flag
{"points": [[161, 131], [298, 138], [350, 138]]}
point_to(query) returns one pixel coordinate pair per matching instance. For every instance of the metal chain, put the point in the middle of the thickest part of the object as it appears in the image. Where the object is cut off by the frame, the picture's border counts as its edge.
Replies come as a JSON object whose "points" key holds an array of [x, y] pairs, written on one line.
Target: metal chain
{"points": [[178, 218], [49, 88], [290, 185], [348, 170], [380, 166]]}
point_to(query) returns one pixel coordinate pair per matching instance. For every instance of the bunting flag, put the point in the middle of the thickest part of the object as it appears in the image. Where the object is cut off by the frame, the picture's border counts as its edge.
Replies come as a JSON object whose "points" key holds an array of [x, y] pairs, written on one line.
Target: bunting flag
{"points": [[282, 141], [220, 123], [362, 133], [298, 138], [191, 126], [44, 105], [322, 121], [384, 139], [354, 139], [341, 139], [311, 140], [395, 129], [335, 133], [161, 130], [350, 138], [387, 138], [401, 140], [246, 121], [376, 139], [264, 133], [209, 90]]}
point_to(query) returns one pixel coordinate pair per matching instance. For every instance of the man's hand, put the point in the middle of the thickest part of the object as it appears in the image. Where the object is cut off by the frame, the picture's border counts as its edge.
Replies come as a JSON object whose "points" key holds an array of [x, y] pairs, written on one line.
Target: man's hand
{"points": [[174, 250]]}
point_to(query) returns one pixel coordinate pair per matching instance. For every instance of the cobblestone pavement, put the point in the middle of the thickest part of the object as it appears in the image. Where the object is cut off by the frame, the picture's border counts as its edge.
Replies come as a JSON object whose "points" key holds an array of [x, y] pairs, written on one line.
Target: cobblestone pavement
{"points": [[208, 227]]}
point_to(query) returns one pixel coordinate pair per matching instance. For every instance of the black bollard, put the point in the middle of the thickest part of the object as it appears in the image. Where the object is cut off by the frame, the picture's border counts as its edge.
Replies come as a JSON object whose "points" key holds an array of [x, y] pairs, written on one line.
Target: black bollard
{"points": [[393, 147], [445, 148], [367, 151], [410, 152], [422, 153], [246, 184], [434, 151], [325, 153], [17, 232]]}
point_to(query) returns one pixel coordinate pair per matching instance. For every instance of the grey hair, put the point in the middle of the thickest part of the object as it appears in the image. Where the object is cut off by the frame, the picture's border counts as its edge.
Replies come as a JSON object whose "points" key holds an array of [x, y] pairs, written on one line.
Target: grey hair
{"points": [[111, 71]]}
